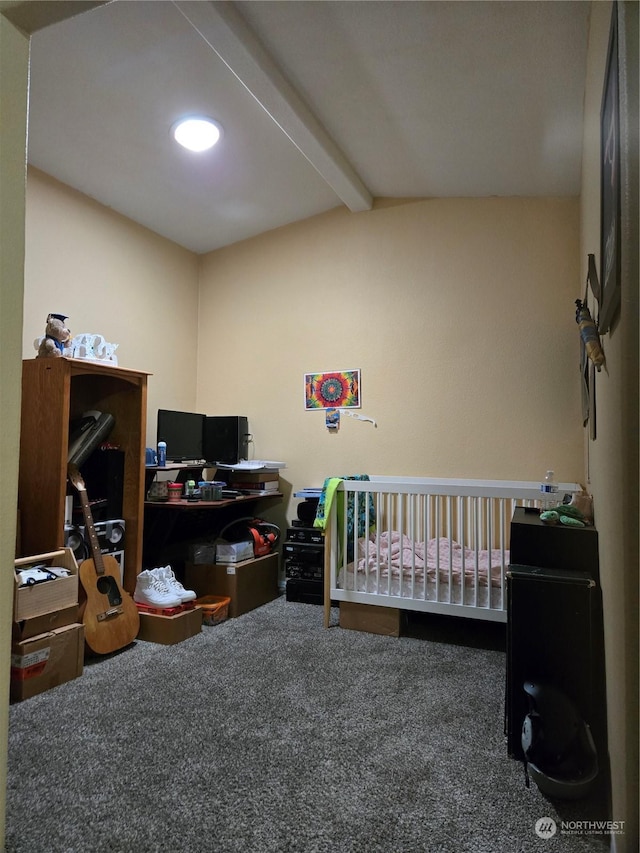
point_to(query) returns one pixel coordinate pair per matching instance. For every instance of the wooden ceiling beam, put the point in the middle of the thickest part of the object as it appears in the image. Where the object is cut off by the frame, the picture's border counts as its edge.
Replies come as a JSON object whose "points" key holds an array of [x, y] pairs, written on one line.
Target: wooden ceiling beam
{"points": [[229, 36]]}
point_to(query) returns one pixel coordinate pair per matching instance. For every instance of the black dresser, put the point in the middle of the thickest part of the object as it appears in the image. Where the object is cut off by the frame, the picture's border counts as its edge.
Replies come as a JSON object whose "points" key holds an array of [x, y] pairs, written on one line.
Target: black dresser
{"points": [[554, 623]]}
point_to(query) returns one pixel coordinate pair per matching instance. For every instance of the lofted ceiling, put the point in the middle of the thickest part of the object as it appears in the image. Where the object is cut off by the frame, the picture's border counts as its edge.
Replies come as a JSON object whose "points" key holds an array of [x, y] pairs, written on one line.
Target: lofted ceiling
{"points": [[322, 104]]}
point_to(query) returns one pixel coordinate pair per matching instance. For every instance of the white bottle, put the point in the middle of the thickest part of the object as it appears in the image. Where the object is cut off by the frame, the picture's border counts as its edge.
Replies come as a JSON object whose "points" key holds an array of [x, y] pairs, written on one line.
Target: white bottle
{"points": [[162, 454], [549, 492]]}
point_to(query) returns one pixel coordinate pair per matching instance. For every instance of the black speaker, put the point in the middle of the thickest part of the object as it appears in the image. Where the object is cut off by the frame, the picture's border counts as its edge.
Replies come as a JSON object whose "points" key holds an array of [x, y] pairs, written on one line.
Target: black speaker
{"points": [[110, 535], [74, 539], [307, 510], [226, 438], [103, 475]]}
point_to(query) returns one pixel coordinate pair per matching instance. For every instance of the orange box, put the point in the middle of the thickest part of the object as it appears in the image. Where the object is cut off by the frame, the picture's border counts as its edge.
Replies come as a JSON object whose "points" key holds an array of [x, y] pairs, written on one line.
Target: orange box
{"points": [[215, 608]]}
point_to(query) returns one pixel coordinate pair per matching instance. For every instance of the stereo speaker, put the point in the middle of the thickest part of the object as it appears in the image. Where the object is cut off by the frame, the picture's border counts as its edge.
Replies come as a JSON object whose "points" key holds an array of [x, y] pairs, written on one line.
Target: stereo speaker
{"points": [[74, 539], [110, 536], [225, 439], [111, 540]]}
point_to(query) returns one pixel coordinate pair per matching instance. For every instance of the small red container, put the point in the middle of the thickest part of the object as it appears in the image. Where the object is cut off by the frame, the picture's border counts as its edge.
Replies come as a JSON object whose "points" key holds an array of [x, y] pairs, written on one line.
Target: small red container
{"points": [[175, 491]]}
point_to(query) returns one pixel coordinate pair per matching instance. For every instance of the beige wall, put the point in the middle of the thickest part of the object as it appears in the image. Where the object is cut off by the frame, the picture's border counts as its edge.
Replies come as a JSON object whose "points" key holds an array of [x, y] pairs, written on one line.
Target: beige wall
{"points": [[14, 59], [613, 463], [459, 313], [114, 278]]}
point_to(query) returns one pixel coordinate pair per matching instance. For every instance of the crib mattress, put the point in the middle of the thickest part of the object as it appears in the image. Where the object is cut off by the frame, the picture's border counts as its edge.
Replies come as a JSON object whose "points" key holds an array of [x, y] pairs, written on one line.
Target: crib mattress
{"points": [[440, 570]]}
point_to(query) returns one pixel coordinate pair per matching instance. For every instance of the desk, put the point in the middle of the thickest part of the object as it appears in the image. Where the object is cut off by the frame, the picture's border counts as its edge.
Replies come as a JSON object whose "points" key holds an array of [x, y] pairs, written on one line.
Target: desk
{"points": [[172, 525], [184, 471]]}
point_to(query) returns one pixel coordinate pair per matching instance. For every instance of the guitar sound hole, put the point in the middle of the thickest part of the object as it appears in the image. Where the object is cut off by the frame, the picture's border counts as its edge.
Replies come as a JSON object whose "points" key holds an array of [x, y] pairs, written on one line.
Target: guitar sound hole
{"points": [[108, 586]]}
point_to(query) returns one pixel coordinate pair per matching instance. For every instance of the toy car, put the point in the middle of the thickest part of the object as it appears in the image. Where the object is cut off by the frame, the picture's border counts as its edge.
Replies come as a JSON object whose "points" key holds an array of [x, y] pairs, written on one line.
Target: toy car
{"points": [[40, 574]]}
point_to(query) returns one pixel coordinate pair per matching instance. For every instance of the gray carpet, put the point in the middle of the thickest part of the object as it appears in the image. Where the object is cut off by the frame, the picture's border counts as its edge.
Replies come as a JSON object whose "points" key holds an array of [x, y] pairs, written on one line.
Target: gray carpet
{"points": [[269, 733]]}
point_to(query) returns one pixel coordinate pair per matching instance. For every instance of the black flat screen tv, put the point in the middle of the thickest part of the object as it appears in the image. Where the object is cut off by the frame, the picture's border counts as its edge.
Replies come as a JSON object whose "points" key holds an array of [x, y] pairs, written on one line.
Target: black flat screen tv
{"points": [[183, 433]]}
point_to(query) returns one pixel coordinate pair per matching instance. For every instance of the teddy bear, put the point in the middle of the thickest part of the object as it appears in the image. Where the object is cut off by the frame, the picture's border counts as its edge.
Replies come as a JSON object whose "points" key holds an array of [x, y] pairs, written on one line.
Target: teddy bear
{"points": [[56, 336]]}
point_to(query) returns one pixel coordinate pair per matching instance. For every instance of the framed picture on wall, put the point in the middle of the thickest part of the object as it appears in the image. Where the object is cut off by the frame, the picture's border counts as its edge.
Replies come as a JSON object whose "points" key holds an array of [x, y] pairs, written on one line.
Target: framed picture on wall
{"points": [[335, 389], [610, 184]]}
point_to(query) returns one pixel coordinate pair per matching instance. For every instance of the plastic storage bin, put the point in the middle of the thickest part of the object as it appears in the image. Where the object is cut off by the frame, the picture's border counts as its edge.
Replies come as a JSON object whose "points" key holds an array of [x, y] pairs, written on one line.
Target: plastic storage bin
{"points": [[215, 608]]}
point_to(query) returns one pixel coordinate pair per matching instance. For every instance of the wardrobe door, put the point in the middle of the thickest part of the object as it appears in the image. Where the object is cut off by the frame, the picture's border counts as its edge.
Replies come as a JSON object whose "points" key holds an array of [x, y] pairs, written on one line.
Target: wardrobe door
{"points": [[550, 639]]}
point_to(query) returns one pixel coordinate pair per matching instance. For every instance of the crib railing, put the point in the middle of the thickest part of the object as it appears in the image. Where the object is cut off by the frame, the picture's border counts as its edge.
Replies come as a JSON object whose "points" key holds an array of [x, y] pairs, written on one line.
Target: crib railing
{"points": [[468, 518]]}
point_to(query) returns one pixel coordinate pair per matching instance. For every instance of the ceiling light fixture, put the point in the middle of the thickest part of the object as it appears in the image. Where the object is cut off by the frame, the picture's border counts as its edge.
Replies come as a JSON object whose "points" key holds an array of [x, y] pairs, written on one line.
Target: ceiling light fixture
{"points": [[196, 133]]}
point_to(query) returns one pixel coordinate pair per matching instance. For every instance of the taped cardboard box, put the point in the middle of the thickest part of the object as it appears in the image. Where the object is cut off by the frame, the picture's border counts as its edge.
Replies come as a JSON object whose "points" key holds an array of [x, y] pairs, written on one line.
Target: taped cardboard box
{"points": [[45, 661], [27, 628], [30, 602], [169, 630], [248, 585]]}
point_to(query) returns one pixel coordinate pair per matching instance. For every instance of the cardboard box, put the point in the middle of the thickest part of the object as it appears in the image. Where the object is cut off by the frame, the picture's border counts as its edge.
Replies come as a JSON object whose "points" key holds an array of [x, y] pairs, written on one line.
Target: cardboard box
{"points": [[41, 598], [248, 585], [27, 628], [370, 618], [46, 660], [169, 630]]}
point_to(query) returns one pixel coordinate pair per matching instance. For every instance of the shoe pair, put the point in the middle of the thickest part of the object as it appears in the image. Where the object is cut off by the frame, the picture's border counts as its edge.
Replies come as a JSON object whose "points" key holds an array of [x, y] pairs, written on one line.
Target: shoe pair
{"points": [[161, 588]]}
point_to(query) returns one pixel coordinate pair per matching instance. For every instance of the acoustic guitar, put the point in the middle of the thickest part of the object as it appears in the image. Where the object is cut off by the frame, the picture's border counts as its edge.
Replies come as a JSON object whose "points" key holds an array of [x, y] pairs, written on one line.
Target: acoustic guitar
{"points": [[111, 619]]}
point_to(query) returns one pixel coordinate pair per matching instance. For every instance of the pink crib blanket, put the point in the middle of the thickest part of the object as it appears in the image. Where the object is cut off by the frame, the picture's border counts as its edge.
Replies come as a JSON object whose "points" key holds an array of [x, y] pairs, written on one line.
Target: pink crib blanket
{"points": [[400, 552]]}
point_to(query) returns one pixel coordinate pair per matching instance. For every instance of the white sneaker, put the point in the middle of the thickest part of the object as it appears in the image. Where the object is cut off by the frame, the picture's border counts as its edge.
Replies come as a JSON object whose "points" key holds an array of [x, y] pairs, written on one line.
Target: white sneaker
{"points": [[154, 592], [166, 575]]}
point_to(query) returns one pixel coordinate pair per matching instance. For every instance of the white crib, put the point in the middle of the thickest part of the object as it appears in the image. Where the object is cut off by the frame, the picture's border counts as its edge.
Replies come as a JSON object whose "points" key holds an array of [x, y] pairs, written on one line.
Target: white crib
{"points": [[432, 545]]}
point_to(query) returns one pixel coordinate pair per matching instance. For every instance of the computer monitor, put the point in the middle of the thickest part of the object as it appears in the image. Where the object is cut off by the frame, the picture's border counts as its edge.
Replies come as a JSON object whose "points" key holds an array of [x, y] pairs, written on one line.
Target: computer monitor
{"points": [[183, 432]]}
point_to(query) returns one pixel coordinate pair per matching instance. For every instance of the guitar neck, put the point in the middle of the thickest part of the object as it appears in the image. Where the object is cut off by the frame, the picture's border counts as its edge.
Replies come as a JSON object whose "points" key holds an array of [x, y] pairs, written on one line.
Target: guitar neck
{"points": [[93, 536]]}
